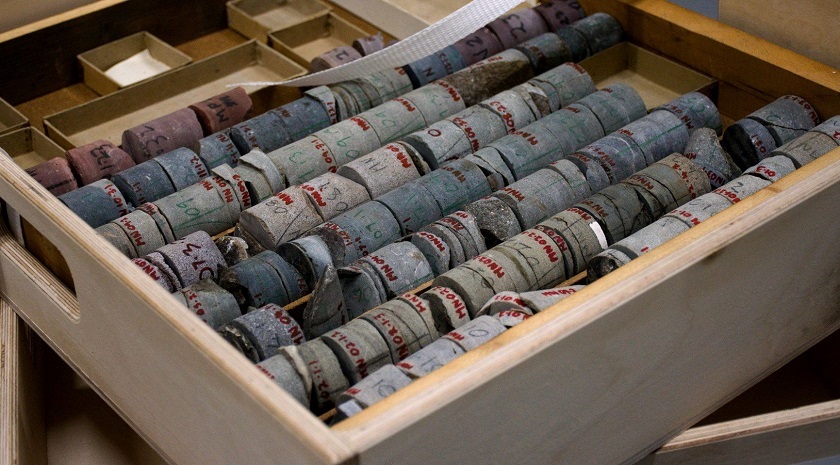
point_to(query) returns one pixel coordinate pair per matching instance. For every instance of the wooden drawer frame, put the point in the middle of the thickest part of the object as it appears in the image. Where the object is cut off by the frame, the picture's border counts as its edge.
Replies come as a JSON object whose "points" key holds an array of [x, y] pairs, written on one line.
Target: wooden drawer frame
{"points": [[48, 416], [626, 364]]}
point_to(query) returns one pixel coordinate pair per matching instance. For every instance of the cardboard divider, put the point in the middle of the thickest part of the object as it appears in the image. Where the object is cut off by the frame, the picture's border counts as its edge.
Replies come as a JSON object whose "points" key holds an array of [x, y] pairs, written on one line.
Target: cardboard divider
{"points": [[401, 18], [256, 18], [97, 61], [10, 118], [657, 79], [29, 147], [305, 41], [676, 333], [107, 117]]}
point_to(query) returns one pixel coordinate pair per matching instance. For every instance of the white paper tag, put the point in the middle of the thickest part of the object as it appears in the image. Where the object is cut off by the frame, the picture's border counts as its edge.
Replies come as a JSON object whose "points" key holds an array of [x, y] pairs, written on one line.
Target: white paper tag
{"points": [[602, 238], [461, 23], [136, 68]]}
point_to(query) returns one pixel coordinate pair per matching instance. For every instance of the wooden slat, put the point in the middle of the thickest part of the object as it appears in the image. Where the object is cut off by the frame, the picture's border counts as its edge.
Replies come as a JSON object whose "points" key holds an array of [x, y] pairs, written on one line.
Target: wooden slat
{"points": [[558, 396], [50, 52], [9, 452], [779, 438], [22, 429]]}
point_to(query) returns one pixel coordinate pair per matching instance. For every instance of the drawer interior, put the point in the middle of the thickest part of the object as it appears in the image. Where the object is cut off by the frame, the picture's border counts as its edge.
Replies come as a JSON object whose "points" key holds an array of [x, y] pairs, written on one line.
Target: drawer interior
{"points": [[735, 102]]}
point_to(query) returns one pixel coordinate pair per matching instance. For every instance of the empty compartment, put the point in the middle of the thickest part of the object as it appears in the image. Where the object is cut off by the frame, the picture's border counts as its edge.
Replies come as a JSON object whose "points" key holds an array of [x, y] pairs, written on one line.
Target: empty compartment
{"points": [[128, 61], [305, 41], [256, 18], [656, 78]]}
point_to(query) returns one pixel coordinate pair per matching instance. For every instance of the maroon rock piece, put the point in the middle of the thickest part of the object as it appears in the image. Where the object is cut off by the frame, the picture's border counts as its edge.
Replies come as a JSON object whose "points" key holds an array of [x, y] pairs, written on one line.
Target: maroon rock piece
{"points": [[369, 44], [335, 57], [478, 46], [518, 27], [223, 111], [559, 13], [55, 175], [97, 160], [162, 135]]}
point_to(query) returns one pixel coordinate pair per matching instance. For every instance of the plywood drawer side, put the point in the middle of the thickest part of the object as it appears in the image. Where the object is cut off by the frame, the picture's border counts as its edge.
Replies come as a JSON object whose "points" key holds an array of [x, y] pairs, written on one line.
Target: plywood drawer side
{"points": [[606, 376]]}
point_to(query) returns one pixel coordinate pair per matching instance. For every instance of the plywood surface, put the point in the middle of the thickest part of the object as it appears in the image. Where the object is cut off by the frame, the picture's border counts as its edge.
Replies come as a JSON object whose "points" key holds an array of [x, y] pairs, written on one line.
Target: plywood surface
{"points": [[653, 348], [750, 70], [780, 438], [809, 27], [22, 426]]}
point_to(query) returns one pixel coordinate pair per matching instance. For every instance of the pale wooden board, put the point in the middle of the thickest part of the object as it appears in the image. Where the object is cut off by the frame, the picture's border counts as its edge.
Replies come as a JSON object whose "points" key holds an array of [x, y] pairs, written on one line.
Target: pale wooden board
{"points": [[9, 348], [27, 18], [791, 436], [640, 355], [164, 371], [215, 364], [809, 27], [22, 425]]}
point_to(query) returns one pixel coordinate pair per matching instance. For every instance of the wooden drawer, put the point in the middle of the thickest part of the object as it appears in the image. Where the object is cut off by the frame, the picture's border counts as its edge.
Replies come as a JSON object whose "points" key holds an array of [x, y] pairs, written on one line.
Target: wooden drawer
{"points": [[49, 416], [605, 376]]}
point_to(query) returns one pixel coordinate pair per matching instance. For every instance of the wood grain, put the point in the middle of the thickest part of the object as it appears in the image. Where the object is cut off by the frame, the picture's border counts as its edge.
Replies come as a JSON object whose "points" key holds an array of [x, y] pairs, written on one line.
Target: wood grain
{"points": [[22, 420], [605, 376], [780, 438], [807, 27]]}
